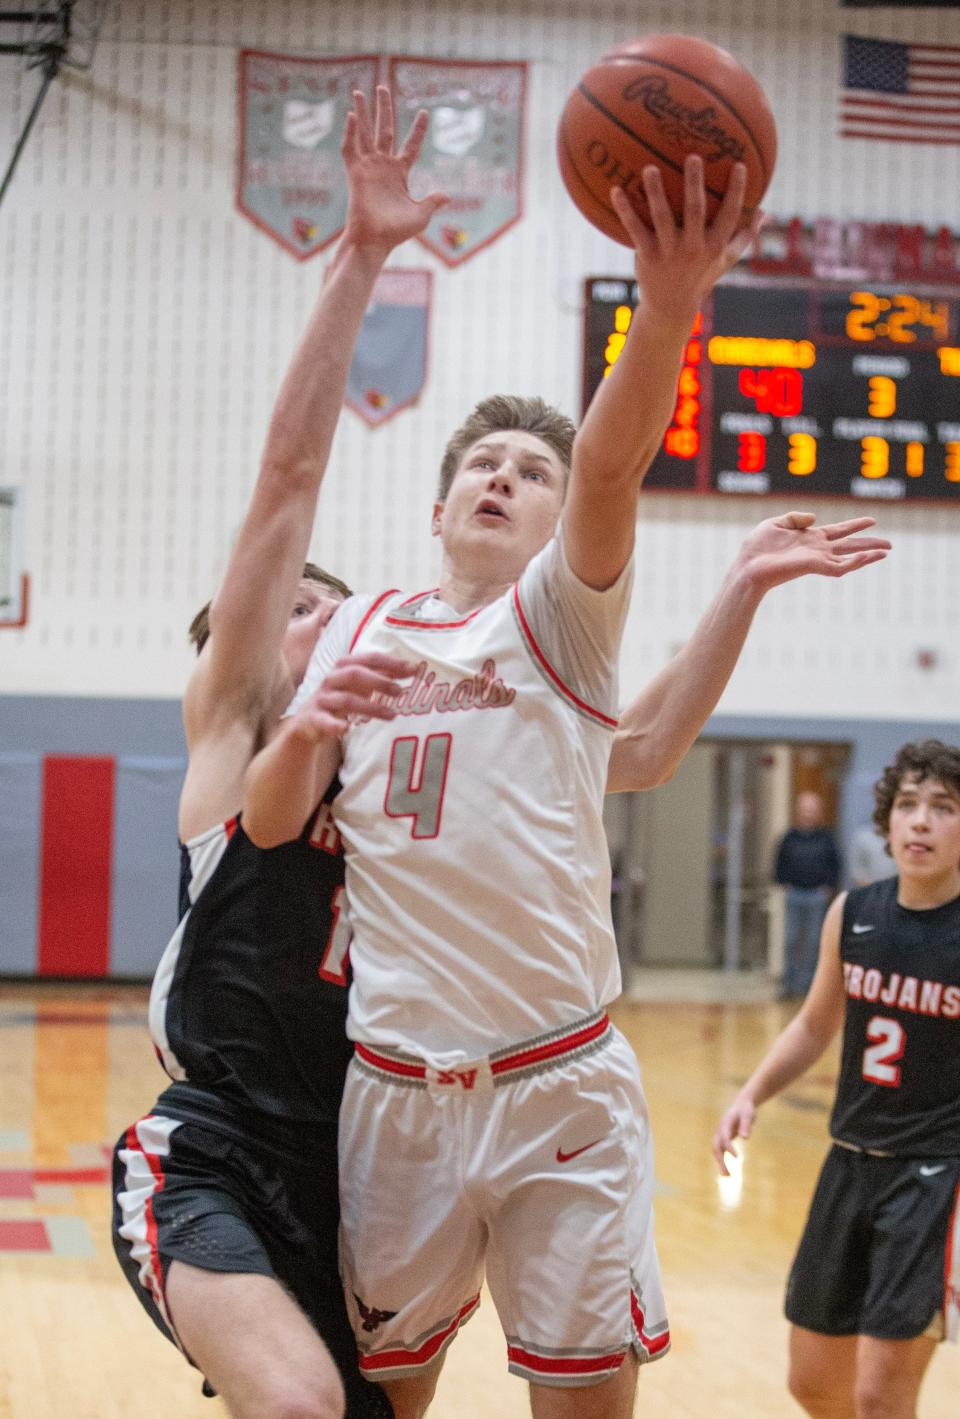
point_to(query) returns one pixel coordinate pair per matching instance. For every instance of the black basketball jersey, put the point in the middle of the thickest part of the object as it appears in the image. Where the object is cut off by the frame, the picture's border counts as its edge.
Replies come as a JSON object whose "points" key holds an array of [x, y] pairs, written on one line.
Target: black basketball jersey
{"points": [[249, 1003], [899, 1086]]}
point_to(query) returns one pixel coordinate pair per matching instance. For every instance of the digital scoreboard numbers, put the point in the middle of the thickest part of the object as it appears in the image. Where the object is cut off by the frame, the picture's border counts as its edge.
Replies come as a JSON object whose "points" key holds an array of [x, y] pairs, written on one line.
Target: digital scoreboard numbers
{"points": [[803, 389]]}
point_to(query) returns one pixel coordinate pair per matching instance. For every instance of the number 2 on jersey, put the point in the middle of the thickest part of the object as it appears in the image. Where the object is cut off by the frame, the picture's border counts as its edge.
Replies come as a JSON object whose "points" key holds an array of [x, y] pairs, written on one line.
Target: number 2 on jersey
{"points": [[878, 1060], [417, 780]]}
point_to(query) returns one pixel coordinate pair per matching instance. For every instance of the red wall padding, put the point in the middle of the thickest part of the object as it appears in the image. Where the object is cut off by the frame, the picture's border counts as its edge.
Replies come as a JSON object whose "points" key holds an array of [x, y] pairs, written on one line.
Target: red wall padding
{"points": [[75, 866]]}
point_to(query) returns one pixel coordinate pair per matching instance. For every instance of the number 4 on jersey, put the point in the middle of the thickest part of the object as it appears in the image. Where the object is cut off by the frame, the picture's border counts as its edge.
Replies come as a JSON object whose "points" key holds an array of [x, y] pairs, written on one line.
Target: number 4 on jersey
{"points": [[417, 782]]}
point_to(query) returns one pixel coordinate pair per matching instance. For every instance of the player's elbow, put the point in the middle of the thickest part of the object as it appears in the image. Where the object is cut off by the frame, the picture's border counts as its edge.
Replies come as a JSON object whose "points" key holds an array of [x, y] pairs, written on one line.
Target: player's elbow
{"points": [[263, 833], [639, 764], [283, 475], [266, 822], [651, 772], [612, 466]]}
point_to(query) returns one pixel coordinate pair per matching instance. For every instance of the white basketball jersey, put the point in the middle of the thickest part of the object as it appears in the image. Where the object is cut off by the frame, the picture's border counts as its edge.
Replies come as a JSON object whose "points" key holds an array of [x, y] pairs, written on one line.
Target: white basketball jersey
{"points": [[478, 876]]}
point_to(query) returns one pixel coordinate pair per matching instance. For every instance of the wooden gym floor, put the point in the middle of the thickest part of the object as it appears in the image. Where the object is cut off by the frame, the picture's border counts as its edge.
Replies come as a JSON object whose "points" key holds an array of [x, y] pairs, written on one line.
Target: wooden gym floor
{"points": [[76, 1066]]}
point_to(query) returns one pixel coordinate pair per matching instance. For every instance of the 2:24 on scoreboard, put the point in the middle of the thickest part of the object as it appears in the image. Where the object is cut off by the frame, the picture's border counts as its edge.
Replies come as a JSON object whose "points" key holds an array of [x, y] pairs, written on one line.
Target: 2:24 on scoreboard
{"points": [[803, 388]]}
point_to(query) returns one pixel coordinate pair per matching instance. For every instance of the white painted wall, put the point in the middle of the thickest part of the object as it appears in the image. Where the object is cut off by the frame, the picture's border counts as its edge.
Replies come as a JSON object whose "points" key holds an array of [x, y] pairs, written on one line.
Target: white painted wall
{"points": [[144, 327]]}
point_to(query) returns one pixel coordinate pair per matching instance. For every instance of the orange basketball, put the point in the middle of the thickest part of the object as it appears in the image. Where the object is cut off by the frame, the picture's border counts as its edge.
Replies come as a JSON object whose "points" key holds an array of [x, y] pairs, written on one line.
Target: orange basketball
{"points": [[654, 100]]}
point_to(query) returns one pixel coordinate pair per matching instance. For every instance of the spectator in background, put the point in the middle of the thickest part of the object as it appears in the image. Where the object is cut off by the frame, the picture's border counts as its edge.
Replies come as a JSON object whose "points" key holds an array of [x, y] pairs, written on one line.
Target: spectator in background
{"points": [[808, 866], [869, 861]]}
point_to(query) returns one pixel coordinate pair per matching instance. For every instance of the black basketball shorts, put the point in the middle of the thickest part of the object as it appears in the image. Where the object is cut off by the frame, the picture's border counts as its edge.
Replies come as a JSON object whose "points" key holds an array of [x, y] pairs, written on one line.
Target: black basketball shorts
{"points": [[185, 1192], [881, 1248]]}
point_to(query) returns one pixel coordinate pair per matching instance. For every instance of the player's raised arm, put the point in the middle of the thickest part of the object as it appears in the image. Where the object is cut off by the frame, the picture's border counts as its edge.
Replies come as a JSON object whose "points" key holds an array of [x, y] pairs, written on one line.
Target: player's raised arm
{"points": [[798, 1046], [656, 729], [250, 610], [675, 266]]}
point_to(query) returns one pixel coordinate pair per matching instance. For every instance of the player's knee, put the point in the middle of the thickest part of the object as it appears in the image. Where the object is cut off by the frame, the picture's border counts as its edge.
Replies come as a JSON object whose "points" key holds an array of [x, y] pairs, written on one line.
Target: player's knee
{"points": [[412, 1397], [322, 1398], [813, 1392], [875, 1399]]}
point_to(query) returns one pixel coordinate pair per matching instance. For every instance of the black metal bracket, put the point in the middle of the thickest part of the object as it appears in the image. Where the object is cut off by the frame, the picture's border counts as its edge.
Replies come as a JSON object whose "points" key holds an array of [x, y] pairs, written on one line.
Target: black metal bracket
{"points": [[48, 49]]}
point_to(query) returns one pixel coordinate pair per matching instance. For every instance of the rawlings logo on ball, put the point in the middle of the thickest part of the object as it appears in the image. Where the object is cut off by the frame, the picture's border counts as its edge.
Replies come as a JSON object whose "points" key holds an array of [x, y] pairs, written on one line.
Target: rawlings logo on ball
{"points": [[690, 127], [657, 100]]}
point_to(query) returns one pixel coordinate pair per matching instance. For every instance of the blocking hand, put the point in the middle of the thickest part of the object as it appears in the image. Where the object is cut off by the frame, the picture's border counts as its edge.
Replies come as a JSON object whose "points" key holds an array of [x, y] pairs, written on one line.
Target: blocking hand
{"points": [[381, 212], [783, 548]]}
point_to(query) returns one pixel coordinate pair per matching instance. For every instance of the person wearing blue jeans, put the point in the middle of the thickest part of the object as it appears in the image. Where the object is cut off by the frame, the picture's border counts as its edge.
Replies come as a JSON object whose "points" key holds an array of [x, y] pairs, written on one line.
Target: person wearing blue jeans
{"points": [[808, 866]]}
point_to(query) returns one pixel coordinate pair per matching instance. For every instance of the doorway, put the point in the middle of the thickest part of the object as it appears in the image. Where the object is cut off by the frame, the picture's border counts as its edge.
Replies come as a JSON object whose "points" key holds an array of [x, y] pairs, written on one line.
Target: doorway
{"points": [[693, 859]]}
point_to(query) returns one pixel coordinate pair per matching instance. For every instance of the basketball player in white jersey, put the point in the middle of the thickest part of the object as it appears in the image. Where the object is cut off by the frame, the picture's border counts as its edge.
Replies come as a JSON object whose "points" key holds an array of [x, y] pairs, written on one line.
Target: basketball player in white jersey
{"points": [[492, 1114]]}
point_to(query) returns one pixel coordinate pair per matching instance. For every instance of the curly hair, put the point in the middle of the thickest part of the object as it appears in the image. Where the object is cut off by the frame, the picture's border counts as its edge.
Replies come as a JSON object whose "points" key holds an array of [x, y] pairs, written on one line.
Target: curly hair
{"points": [[507, 413], [199, 631], [928, 758]]}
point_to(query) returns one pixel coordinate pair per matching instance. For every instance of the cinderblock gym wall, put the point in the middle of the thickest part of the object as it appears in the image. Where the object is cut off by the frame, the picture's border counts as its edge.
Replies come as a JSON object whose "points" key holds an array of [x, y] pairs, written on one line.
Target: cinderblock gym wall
{"points": [[144, 327]]}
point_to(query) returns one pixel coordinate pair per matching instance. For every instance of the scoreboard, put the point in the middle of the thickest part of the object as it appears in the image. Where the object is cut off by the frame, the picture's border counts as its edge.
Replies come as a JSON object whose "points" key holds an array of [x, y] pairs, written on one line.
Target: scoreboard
{"points": [[794, 388]]}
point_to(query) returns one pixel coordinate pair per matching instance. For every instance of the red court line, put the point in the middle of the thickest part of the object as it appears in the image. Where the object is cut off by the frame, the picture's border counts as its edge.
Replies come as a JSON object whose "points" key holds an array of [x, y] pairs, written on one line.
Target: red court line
{"points": [[24, 1236], [76, 850], [16, 1182], [21, 1182]]}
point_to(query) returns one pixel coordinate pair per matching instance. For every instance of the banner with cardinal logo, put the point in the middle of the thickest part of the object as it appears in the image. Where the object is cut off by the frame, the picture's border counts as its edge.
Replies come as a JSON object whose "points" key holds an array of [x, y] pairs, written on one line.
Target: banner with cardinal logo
{"points": [[473, 150], [389, 366], [290, 173]]}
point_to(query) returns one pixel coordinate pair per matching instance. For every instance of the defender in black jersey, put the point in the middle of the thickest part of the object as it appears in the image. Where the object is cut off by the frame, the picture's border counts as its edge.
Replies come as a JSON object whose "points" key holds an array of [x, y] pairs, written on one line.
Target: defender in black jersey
{"points": [[235, 1168], [225, 1195], [876, 1280]]}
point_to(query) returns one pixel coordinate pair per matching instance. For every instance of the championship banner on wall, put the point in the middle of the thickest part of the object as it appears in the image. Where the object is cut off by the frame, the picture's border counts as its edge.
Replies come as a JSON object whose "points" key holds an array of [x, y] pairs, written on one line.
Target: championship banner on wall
{"points": [[389, 366], [834, 250], [290, 180], [473, 150]]}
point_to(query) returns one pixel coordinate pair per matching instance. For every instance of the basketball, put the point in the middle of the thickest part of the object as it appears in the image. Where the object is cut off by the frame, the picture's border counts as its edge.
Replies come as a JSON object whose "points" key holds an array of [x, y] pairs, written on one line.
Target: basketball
{"points": [[654, 100]]}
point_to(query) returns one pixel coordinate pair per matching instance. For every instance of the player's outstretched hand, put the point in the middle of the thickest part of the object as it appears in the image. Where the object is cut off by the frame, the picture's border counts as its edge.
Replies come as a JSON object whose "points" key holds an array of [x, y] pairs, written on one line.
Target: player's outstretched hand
{"points": [[783, 548], [737, 1122], [381, 212], [676, 266], [362, 686]]}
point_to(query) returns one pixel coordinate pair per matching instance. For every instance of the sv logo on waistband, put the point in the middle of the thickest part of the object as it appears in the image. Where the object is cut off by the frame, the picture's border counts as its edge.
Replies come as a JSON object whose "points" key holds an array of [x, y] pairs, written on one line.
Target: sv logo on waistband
{"points": [[472, 1078], [466, 1077]]}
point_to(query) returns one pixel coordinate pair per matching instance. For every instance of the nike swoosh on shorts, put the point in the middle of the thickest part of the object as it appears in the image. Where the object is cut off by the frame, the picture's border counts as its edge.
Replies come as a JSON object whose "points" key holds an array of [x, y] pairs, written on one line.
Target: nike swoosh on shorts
{"points": [[926, 1171], [565, 1157]]}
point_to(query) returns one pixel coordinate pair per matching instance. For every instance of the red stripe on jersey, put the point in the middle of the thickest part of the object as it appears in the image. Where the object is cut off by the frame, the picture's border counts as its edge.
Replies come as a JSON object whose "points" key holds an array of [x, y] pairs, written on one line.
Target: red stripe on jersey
{"points": [[567, 1364], [550, 1050], [155, 1276], [400, 1358], [392, 1066], [429, 625], [652, 1344], [544, 662], [417, 596], [75, 865], [230, 827], [371, 611]]}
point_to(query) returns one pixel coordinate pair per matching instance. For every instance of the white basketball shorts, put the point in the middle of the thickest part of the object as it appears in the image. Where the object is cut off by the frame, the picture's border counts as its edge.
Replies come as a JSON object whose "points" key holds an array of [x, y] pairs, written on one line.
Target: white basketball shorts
{"points": [[535, 1163]]}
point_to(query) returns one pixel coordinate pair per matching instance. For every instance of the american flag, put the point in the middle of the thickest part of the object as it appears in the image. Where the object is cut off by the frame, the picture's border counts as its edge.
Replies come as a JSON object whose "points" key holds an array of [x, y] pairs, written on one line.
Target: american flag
{"points": [[903, 93]]}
